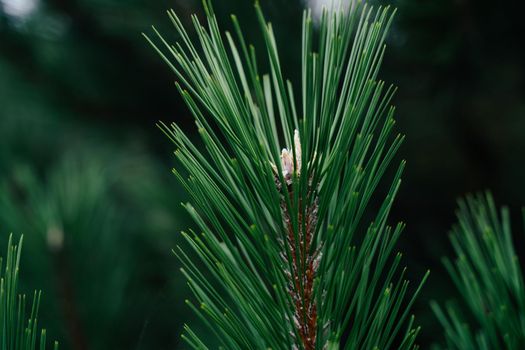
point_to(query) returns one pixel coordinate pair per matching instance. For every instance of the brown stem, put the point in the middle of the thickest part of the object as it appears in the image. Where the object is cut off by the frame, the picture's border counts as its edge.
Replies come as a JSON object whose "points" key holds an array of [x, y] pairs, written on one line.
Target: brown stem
{"points": [[304, 263]]}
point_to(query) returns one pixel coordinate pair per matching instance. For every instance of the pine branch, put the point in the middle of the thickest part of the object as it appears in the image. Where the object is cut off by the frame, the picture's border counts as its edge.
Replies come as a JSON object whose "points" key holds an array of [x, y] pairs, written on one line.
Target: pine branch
{"points": [[289, 262], [17, 330], [488, 275], [304, 257]]}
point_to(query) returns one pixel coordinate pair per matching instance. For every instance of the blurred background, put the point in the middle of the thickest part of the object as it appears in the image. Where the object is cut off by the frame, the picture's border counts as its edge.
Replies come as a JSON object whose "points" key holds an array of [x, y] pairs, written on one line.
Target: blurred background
{"points": [[85, 174]]}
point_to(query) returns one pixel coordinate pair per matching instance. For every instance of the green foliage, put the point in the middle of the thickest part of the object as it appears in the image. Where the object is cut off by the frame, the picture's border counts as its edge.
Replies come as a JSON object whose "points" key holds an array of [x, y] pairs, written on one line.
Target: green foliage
{"points": [[77, 232], [70, 217], [488, 276], [295, 252], [17, 330], [93, 206]]}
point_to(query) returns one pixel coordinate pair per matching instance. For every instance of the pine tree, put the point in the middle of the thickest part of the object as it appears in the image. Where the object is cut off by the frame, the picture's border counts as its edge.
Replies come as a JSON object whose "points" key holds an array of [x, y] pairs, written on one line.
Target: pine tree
{"points": [[292, 253], [488, 276]]}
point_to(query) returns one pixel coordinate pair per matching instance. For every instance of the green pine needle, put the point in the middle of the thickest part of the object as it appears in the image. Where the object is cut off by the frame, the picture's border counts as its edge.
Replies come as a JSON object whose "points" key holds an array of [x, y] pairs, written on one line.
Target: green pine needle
{"points": [[17, 330], [488, 276], [285, 256]]}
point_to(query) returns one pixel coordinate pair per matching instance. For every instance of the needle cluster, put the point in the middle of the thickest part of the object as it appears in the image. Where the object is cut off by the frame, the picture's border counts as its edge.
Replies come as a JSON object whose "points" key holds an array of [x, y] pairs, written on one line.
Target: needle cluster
{"points": [[290, 252]]}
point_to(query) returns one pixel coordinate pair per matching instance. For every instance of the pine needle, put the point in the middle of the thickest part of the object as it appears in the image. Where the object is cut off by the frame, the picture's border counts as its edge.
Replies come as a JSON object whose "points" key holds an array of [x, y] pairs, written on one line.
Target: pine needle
{"points": [[281, 192]]}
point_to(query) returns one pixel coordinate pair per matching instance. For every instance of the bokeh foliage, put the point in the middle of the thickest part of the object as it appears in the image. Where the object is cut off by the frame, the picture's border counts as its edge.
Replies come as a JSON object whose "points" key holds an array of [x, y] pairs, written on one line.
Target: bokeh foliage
{"points": [[79, 88]]}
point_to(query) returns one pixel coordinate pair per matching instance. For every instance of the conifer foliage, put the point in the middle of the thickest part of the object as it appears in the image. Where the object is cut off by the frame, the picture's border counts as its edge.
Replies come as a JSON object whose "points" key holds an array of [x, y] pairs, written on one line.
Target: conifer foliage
{"points": [[488, 275], [17, 331], [291, 252]]}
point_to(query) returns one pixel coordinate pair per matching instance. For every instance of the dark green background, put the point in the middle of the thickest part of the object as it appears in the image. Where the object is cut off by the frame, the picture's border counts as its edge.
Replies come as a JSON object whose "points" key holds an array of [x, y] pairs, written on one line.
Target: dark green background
{"points": [[81, 91]]}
